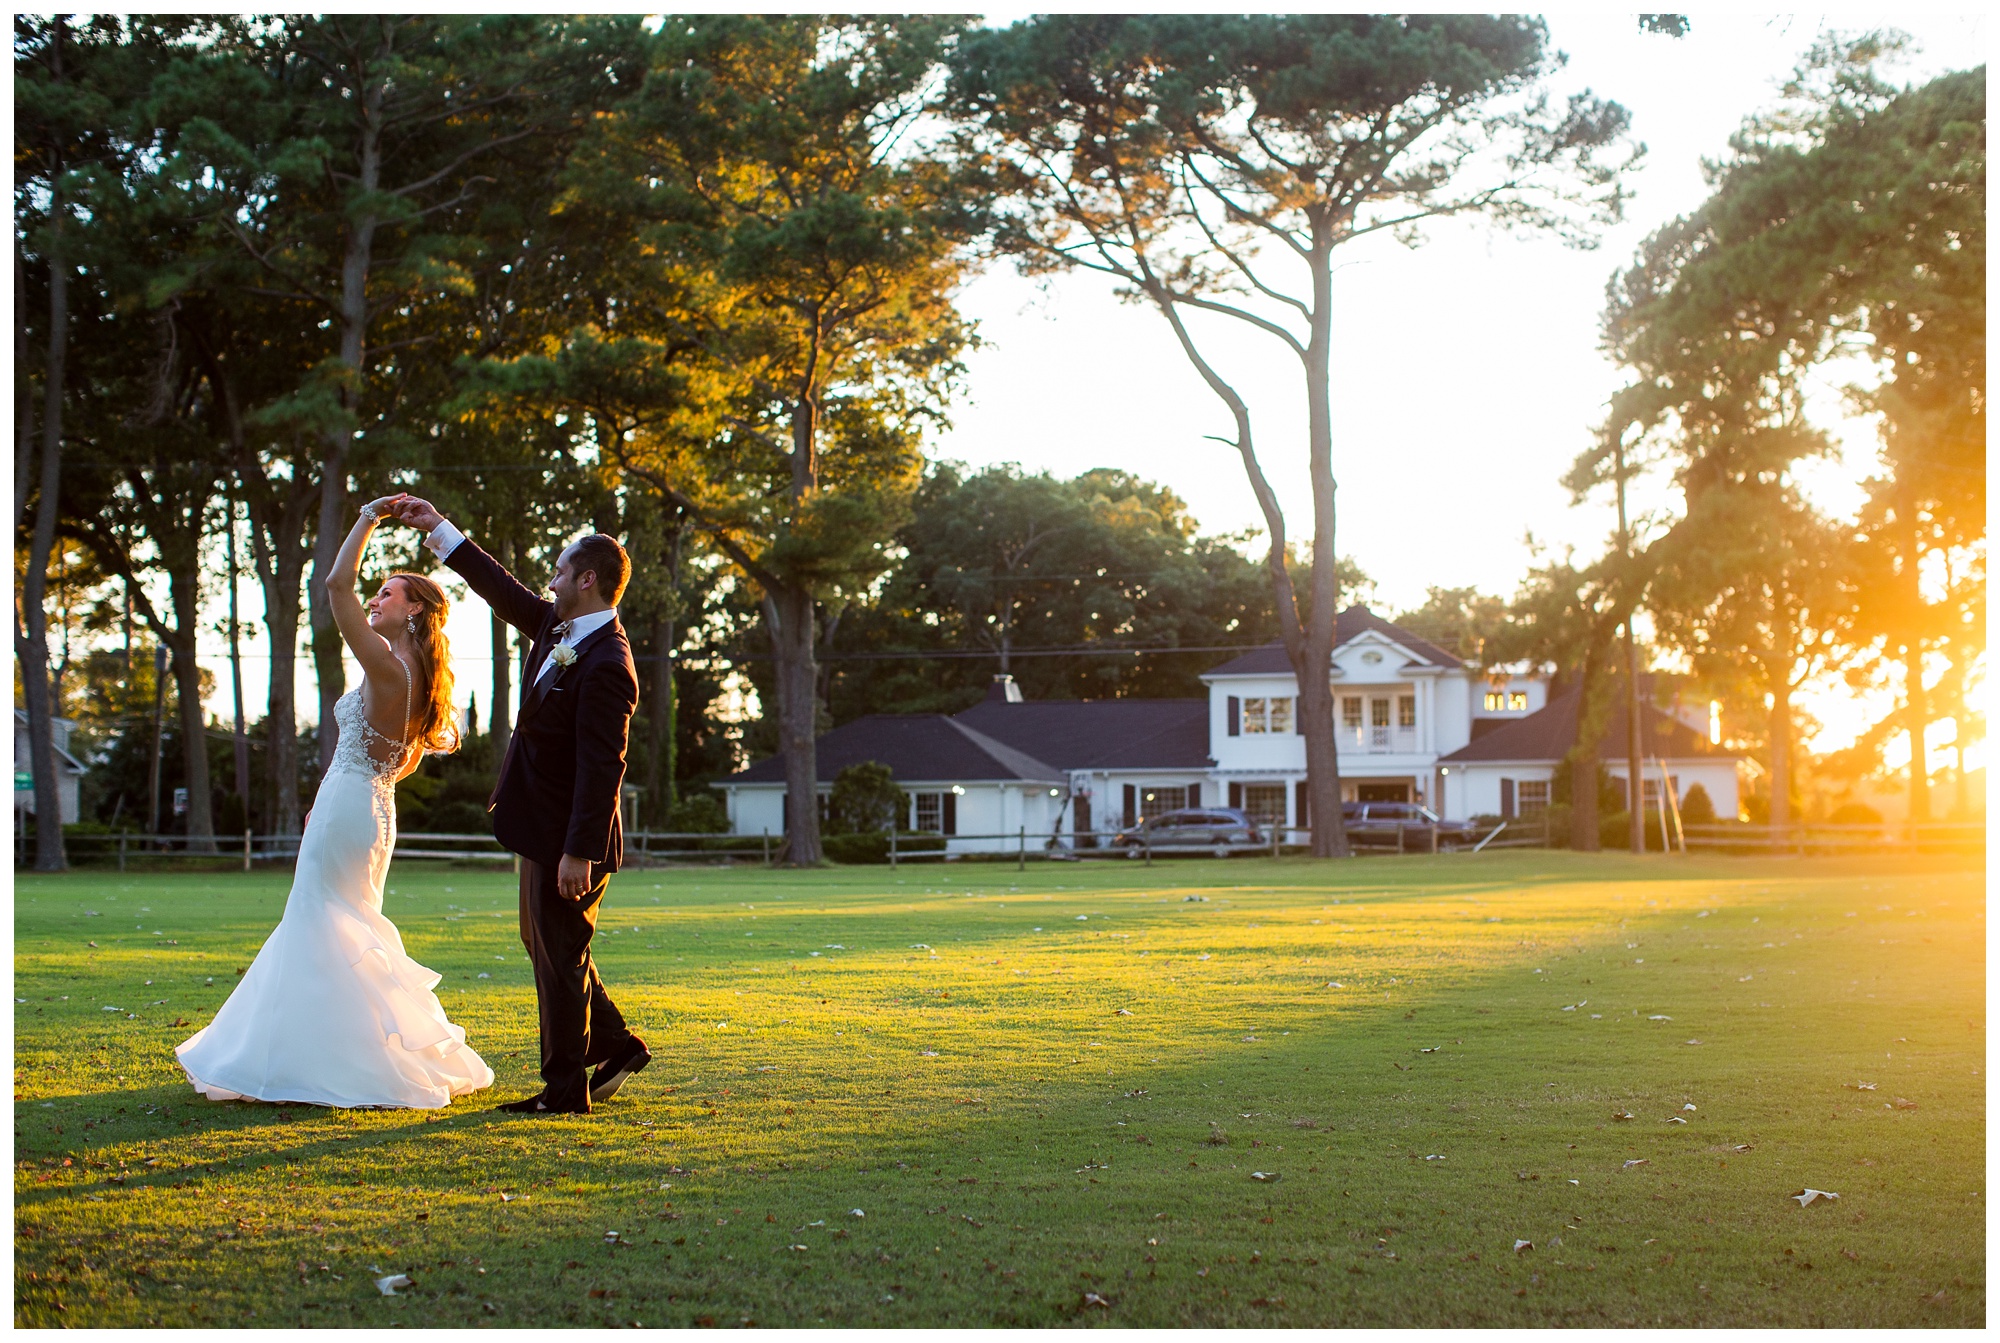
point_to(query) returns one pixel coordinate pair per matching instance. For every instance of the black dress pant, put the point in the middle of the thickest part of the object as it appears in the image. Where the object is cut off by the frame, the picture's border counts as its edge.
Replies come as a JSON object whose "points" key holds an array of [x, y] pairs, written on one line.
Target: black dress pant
{"points": [[581, 1026]]}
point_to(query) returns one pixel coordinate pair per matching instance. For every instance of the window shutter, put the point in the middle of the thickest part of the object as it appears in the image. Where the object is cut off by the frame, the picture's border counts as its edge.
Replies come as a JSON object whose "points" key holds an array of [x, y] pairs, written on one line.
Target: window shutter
{"points": [[1235, 716], [1131, 805], [1506, 799], [785, 812], [950, 822], [1235, 794], [1304, 794], [1298, 721]]}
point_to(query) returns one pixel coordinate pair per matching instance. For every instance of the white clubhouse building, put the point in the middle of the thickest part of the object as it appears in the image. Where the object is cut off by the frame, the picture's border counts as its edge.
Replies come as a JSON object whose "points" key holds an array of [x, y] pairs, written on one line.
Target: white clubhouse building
{"points": [[1413, 723]]}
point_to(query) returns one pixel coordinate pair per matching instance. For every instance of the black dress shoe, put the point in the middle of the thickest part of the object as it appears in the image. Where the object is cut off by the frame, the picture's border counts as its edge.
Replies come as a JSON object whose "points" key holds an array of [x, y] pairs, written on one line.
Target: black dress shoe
{"points": [[611, 1073], [540, 1105]]}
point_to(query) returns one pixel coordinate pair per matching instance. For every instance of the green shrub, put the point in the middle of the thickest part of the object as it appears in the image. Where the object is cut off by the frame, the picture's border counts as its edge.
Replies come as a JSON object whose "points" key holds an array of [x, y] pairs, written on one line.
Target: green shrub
{"points": [[1856, 813], [1697, 808], [1558, 818], [865, 801], [698, 813], [1613, 834]]}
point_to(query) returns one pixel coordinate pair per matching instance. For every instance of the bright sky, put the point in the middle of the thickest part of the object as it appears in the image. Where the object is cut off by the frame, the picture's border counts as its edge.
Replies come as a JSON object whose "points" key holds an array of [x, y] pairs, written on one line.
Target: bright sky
{"points": [[1466, 372]]}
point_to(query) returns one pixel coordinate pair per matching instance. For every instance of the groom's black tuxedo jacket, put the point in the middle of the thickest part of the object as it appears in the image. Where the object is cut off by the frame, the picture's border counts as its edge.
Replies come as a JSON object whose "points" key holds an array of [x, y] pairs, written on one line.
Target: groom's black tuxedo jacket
{"points": [[558, 787]]}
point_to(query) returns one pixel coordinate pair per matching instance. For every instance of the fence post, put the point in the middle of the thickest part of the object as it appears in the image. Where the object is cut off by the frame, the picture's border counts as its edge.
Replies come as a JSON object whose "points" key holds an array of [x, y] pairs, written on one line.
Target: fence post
{"points": [[246, 850], [892, 846], [765, 848], [1021, 854], [1146, 847], [121, 850], [1432, 827]]}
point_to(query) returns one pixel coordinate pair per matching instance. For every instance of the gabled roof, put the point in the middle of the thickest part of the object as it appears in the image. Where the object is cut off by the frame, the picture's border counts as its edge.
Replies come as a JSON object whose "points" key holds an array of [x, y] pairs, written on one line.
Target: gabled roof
{"points": [[918, 747], [1549, 732], [75, 766], [1271, 660], [1099, 733]]}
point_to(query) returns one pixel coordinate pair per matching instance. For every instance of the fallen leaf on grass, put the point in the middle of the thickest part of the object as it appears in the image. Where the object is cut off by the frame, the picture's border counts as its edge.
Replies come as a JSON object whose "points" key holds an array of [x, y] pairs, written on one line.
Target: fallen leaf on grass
{"points": [[1093, 1299], [1521, 1245], [799, 1248], [1806, 1197], [1902, 1104], [1124, 1011], [1860, 1086], [390, 1283], [1659, 1017], [1636, 1161], [1675, 1119], [1621, 1114], [1688, 1106], [1267, 1176]]}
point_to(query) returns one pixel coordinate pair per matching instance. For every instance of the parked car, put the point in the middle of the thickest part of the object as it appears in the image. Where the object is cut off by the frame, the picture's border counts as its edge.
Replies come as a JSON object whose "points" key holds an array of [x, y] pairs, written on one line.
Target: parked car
{"points": [[1403, 825], [1216, 830]]}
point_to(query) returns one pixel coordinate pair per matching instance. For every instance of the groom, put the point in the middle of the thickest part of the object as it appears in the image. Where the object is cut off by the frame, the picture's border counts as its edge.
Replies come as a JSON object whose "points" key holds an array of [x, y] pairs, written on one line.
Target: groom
{"points": [[556, 801]]}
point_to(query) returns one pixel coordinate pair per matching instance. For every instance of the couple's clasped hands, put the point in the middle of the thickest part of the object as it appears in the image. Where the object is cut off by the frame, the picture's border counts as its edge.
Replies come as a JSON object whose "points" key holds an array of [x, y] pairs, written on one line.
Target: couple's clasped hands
{"points": [[408, 510]]}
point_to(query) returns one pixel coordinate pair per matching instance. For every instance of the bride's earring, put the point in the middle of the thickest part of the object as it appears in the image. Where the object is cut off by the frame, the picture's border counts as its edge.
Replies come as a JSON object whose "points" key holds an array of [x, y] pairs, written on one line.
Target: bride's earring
{"points": [[410, 623]]}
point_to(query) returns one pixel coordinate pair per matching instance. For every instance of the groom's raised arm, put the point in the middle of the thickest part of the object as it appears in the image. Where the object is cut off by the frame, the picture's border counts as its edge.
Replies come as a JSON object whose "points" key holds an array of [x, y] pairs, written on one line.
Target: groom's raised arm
{"points": [[510, 598]]}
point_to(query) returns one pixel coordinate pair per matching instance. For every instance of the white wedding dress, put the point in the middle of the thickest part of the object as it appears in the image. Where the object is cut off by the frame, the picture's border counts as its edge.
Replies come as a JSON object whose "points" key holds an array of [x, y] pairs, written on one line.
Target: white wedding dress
{"points": [[332, 1012]]}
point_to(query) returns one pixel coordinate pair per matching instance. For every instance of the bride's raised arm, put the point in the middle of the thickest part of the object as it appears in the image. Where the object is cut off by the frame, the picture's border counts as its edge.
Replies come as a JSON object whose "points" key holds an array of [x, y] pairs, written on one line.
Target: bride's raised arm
{"points": [[370, 649]]}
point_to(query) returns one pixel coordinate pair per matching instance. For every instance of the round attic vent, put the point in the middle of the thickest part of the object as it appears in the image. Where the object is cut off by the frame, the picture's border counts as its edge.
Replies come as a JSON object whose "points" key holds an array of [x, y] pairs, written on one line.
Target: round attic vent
{"points": [[1371, 657]]}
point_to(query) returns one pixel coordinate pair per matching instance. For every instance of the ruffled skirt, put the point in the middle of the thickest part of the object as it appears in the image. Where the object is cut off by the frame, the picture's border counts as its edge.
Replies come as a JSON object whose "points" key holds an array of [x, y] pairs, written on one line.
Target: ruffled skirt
{"points": [[332, 1011]]}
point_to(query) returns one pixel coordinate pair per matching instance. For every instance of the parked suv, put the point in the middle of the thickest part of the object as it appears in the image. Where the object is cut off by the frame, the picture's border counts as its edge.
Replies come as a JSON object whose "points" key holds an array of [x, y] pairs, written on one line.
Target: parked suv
{"points": [[1402, 825], [1216, 830]]}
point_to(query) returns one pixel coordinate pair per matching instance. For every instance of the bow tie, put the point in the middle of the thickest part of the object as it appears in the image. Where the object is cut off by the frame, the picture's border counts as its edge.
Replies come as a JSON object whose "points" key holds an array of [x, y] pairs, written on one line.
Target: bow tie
{"points": [[562, 630]]}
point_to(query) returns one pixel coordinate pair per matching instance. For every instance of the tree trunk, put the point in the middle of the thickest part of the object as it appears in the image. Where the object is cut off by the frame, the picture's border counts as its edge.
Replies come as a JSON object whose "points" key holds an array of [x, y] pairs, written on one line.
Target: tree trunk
{"points": [[1916, 721], [1322, 622], [1584, 829], [788, 612], [239, 738], [159, 730], [1779, 730], [50, 854], [1917, 703], [1635, 750], [277, 547], [185, 591], [24, 392]]}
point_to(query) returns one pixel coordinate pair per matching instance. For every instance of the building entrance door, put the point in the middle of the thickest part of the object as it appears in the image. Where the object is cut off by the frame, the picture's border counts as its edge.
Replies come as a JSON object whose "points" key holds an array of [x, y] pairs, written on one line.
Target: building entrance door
{"points": [[1081, 810], [1382, 792]]}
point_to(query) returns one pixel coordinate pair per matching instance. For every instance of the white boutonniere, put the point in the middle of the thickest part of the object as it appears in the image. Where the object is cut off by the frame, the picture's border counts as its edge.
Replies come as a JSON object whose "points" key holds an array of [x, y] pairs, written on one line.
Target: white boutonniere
{"points": [[562, 655]]}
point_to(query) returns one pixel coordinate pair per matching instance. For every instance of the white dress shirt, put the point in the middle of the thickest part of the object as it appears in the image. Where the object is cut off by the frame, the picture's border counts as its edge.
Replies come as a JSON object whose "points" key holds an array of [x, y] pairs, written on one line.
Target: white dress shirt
{"points": [[444, 539], [580, 627]]}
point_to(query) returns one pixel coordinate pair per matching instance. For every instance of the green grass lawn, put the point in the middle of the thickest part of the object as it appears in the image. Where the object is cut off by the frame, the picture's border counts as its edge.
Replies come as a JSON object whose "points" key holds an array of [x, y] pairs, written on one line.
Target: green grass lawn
{"points": [[969, 1096]]}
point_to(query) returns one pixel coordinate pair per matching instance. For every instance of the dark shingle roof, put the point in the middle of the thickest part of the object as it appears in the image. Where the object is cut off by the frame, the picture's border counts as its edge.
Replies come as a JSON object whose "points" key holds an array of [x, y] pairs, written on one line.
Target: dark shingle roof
{"points": [[1099, 733], [1271, 660], [1549, 732], [917, 747]]}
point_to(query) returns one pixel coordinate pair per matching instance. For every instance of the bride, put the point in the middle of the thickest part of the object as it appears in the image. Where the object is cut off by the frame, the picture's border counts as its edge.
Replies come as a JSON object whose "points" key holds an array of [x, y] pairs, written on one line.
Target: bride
{"points": [[332, 1012]]}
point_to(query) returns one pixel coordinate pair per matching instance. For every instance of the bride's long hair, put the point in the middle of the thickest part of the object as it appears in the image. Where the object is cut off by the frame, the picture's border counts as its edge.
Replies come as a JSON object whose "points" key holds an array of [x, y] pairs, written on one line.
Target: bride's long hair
{"points": [[437, 718]]}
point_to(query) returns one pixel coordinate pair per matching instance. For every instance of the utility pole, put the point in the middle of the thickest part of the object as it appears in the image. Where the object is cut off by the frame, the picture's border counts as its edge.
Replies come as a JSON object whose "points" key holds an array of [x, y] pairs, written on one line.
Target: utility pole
{"points": [[1635, 790]]}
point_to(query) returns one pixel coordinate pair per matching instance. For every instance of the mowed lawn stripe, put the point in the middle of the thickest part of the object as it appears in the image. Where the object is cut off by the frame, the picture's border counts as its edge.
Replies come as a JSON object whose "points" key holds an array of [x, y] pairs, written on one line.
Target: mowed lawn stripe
{"points": [[1383, 1040]]}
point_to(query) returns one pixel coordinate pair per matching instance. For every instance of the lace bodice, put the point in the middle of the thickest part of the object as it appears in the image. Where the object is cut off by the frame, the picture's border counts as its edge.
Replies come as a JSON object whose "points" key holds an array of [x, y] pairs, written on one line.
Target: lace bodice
{"points": [[358, 742]]}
